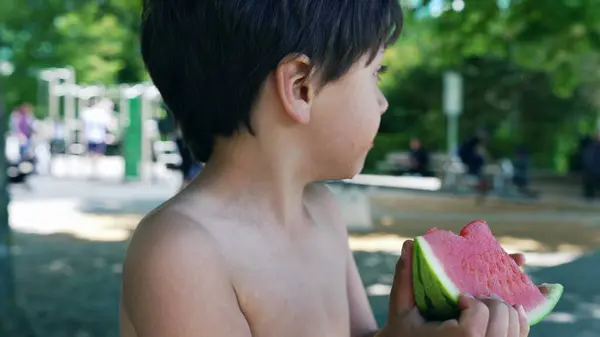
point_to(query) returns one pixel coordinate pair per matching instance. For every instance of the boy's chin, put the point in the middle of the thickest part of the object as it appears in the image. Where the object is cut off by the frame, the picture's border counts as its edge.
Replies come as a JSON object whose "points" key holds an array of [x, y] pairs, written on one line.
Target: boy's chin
{"points": [[348, 172]]}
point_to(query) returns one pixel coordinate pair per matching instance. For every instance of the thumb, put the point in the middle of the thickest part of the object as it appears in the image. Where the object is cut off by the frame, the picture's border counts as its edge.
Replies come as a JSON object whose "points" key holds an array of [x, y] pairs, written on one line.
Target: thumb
{"points": [[402, 298]]}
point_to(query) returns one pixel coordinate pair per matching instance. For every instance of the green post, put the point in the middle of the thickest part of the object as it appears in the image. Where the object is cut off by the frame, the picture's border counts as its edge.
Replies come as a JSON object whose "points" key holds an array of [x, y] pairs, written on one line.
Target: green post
{"points": [[132, 150], [452, 134], [453, 105]]}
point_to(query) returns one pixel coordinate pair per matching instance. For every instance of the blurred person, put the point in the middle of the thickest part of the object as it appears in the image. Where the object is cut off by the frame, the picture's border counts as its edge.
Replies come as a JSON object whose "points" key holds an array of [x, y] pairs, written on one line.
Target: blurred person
{"points": [[166, 124], [591, 168], [22, 125], [472, 153], [188, 167], [19, 146], [274, 97], [522, 171], [418, 159], [97, 118], [576, 158]]}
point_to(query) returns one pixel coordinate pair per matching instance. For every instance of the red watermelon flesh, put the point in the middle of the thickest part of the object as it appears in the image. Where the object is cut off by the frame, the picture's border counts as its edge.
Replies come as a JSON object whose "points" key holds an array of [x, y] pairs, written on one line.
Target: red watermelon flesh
{"points": [[477, 264]]}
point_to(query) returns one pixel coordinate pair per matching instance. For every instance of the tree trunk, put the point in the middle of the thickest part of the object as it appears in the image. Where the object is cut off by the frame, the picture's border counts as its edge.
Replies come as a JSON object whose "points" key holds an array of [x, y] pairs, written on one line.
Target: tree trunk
{"points": [[8, 311]]}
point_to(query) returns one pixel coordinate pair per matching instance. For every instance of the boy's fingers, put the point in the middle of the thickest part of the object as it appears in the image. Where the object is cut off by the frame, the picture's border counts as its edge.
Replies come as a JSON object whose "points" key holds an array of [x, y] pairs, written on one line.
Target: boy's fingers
{"points": [[499, 318], [474, 315], [523, 322], [514, 323], [402, 297], [449, 323], [414, 317]]}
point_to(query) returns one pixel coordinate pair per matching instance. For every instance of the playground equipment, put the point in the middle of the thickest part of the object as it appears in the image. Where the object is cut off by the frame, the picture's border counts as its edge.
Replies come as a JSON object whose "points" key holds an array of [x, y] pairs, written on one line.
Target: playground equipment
{"points": [[56, 77], [136, 107]]}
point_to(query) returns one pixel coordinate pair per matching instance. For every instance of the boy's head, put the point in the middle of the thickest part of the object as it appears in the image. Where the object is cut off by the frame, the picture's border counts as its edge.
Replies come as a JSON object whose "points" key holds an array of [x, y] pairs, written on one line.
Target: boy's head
{"points": [[301, 70]]}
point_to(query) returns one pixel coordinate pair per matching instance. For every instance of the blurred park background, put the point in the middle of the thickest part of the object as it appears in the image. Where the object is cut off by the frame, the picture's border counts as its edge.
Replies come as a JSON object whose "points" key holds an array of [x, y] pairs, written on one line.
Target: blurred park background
{"points": [[507, 88]]}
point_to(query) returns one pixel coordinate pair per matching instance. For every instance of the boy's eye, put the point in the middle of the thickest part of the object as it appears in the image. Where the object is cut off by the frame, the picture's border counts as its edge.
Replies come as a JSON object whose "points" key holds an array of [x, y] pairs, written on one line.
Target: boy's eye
{"points": [[380, 71]]}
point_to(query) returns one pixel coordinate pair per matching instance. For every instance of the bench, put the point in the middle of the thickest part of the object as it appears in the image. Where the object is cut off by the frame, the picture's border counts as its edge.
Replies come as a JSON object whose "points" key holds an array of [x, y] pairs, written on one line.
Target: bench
{"points": [[455, 178], [398, 162], [354, 195], [450, 170]]}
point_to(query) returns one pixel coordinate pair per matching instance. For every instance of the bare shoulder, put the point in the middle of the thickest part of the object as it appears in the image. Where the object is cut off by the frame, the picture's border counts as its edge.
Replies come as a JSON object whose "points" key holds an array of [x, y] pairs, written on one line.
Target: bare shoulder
{"points": [[176, 282], [168, 234]]}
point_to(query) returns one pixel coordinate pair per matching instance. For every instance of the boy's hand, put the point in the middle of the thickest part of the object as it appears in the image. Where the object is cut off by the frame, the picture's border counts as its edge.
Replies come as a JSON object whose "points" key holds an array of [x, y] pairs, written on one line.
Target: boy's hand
{"points": [[479, 317]]}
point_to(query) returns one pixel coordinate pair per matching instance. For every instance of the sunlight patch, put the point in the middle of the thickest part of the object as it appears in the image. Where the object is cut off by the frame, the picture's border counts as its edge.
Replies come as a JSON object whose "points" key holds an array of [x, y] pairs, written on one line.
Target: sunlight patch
{"points": [[379, 290], [561, 317], [392, 244], [63, 216]]}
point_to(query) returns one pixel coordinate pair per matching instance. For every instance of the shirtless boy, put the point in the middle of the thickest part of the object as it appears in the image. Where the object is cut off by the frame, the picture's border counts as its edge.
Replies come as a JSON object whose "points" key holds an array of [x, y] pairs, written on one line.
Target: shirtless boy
{"points": [[275, 96]]}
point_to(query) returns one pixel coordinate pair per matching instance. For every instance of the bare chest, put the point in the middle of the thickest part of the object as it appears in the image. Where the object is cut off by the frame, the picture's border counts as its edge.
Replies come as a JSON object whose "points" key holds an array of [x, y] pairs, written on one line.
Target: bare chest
{"points": [[293, 289]]}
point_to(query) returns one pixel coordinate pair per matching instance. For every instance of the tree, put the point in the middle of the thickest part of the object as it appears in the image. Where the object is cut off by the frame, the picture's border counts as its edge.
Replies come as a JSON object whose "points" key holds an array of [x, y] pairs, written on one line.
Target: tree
{"points": [[99, 38], [92, 42], [549, 36], [530, 69], [8, 309]]}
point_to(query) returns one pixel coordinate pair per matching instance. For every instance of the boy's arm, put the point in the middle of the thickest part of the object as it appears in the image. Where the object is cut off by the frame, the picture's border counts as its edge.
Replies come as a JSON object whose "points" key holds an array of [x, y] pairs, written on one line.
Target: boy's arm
{"points": [[175, 283], [362, 320]]}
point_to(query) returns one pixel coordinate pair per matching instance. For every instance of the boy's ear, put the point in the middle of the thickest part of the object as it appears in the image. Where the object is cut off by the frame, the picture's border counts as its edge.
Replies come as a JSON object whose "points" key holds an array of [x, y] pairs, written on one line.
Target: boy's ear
{"points": [[295, 86]]}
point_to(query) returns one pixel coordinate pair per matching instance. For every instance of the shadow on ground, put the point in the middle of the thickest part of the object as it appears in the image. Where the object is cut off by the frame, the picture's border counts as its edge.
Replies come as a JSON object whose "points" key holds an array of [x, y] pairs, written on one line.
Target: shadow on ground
{"points": [[70, 287], [578, 312]]}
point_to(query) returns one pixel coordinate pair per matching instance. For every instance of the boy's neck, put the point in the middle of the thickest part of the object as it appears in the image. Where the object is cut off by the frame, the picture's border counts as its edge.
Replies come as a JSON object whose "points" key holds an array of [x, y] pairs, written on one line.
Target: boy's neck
{"points": [[263, 177]]}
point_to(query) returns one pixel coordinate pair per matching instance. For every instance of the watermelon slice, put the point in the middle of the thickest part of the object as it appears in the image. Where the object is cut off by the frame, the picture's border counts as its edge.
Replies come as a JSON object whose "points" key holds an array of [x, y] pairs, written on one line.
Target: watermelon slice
{"points": [[445, 265]]}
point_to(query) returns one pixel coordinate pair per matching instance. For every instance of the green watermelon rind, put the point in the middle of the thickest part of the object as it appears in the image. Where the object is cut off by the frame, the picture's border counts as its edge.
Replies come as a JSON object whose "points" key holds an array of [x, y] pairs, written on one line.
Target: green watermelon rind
{"points": [[436, 295], [555, 292]]}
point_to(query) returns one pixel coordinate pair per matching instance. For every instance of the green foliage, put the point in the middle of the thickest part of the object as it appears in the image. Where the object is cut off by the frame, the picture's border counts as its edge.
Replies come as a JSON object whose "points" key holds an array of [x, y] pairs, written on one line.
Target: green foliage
{"points": [[530, 75], [98, 38], [549, 36], [384, 143], [531, 67], [93, 43]]}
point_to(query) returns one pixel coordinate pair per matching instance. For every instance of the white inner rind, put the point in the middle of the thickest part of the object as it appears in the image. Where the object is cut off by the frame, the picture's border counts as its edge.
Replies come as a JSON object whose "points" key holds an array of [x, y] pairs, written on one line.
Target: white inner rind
{"points": [[430, 258], [554, 294], [534, 316]]}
